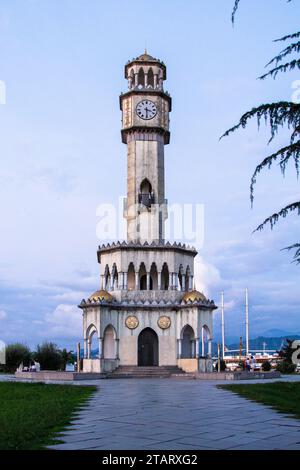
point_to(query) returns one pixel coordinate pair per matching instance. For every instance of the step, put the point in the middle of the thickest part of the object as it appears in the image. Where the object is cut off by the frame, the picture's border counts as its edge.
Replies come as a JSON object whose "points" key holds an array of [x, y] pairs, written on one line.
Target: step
{"points": [[146, 372]]}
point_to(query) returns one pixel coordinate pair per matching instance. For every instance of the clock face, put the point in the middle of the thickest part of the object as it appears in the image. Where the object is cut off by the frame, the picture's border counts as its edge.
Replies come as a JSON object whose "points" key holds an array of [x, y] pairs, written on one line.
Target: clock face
{"points": [[146, 109]]}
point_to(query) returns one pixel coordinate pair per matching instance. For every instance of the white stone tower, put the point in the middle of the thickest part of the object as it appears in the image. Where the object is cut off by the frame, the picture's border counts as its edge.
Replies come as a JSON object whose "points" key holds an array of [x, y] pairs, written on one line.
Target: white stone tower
{"points": [[146, 312], [145, 111]]}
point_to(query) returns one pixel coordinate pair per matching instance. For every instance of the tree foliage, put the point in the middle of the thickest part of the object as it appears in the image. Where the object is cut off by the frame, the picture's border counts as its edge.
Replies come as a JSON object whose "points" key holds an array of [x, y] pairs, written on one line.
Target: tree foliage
{"points": [[276, 116], [15, 354], [49, 356]]}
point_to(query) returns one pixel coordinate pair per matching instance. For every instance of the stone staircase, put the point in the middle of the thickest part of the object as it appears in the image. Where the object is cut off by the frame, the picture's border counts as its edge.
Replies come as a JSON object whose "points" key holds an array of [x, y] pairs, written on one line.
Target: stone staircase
{"points": [[133, 372]]}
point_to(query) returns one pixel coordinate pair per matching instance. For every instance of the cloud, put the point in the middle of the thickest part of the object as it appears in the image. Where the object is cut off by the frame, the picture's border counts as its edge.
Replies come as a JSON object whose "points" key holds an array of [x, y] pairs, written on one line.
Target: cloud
{"points": [[3, 314], [206, 275], [64, 322]]}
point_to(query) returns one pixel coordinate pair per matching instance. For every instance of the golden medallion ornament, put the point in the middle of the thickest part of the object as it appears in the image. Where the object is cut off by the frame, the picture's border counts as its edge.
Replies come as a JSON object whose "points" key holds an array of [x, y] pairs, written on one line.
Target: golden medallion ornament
{"points": [[131, 322], [164, 322]]}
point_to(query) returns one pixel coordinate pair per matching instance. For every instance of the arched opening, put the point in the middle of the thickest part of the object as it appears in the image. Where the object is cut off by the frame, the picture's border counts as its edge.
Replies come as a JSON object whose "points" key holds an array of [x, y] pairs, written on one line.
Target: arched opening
{"points": [[187, 342], [141, 78], [165, 277], [131, 277], [109, 343], [205, 341], [153, 277], [143, 277], [180, 277], [146, 195], [106, 278], [148, 348], [114, 276], [150, 78], [92, 351], [187, 279]]}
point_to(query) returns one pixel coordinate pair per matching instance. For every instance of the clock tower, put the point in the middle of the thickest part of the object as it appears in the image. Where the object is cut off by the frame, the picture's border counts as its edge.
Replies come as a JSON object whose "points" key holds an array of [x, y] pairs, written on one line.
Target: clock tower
{"points": [[146, 312], [145, 130]]}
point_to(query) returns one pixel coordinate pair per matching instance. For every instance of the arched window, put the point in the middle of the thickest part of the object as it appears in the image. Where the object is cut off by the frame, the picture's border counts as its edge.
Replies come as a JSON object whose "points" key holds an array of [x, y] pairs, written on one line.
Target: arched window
{"points": [[146, 195], [150, 78], [141, 78]]}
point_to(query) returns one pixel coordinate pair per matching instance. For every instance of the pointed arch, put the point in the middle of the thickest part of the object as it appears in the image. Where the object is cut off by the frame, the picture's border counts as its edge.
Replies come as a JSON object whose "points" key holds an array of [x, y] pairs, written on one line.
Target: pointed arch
{"points": [[146, 195], [187, 342], [131, 277], [150, 78], [109, 342], [143, 277], [141, 78], [153, 277], [165, 277]]}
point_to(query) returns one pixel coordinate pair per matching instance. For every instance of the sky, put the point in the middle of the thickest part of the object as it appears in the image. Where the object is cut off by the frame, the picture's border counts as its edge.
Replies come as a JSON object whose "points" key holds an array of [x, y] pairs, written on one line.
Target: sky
{"points": [[62, 62]]}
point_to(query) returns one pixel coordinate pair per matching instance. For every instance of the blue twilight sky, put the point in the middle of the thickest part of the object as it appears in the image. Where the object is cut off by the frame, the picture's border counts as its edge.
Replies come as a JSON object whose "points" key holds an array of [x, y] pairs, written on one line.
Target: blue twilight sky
{"points": [[61, 155]]}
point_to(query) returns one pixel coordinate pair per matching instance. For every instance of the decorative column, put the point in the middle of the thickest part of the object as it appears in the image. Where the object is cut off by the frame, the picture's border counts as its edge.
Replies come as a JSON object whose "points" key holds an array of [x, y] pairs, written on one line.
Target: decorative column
{"points": [[146, 80], [155, 81], [197, 348], [148, 281], [89, 348], [135, 79], [117, 348], [102, 282], [100, 348], [179, 348], [209, 347], [111, 282], [159, 280], [203, 345], [170, 281], [85, 348], [136, 281], [121, 284], [125, 281]]}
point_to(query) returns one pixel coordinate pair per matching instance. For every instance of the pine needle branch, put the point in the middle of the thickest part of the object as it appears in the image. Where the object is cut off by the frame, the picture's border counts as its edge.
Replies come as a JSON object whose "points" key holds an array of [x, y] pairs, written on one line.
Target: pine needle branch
{"points": [[273, 219], [285, 154]]}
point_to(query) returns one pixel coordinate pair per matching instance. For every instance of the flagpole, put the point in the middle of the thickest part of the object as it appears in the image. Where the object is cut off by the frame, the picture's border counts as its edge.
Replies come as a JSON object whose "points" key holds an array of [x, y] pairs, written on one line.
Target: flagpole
{"points": [[247, 323], [223, 325]]}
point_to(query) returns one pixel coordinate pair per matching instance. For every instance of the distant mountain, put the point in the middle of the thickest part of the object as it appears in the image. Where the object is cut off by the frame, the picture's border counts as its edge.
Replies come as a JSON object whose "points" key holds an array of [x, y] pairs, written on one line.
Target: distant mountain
{"points": [[273, 343], [276, 332]]}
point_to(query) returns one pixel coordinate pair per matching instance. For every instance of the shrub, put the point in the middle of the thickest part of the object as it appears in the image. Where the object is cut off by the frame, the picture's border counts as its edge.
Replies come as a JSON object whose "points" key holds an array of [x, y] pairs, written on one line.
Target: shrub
{"points": [[266, 366], [286, 367], [15, 354], [49, 356]]}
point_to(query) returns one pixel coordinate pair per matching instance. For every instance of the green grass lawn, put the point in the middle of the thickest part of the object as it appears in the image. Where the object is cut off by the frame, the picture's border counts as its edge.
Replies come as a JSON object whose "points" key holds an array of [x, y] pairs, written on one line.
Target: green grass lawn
{"points": [[32, 413], [282, 396]]}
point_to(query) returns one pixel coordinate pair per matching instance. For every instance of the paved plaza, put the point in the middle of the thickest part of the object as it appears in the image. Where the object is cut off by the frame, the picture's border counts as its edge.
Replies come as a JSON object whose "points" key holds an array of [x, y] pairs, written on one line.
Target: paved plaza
{"points": [[172, 414]]}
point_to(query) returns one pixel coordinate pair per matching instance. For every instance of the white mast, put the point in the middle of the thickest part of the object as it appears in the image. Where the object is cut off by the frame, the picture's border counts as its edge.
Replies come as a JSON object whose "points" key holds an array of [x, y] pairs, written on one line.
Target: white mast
{"points": [[247, 323], [223, 325]]}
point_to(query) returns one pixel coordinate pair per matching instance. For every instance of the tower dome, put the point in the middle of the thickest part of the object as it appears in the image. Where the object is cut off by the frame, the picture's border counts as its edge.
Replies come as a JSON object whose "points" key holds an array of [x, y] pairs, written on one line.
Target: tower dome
{"points": [[193, 296], [102, 295]]}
